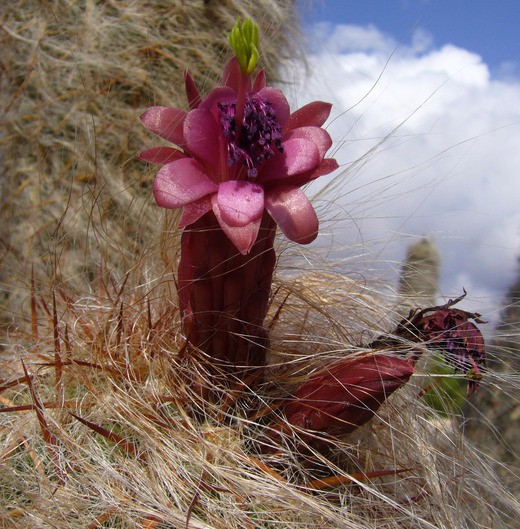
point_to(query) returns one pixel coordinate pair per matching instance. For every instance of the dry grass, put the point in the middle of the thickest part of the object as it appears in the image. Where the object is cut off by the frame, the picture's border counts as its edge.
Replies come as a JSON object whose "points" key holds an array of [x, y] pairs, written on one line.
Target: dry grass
{"points": [[97, 427], [98, 431]]}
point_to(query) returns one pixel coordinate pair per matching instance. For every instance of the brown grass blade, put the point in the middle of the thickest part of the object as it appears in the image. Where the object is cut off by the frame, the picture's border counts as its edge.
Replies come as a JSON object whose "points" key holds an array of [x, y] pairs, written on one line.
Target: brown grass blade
{"points": [[48, 436], [128, 447], [58, 370], [332, 481]]}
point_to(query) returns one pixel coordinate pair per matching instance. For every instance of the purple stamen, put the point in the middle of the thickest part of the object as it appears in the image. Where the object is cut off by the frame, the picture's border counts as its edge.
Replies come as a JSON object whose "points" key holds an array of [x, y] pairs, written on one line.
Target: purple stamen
{"points": [[259, 131]]}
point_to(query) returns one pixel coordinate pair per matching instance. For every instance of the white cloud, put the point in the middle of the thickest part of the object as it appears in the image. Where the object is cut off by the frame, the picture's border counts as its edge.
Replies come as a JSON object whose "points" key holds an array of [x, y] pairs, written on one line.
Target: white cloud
{"points": [[350, 38], [450, 166]]}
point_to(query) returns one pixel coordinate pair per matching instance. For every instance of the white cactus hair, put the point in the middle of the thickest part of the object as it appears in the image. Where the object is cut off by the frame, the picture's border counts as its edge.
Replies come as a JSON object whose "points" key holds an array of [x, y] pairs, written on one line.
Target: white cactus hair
{"points": [[93, 430]]}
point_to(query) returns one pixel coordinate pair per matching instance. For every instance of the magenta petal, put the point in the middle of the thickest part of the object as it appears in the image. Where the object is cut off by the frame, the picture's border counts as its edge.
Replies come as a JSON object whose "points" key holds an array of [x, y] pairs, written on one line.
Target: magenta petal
{"points": [[161, 155], [278, 102], [181, 182], [260, 81], [202, 136], [218, 95], [299, 156], [326, 167], [314, 114], [192, 91], [243, 237], [293, 212], [166, 122], [320, 137], [193, 212], [240, 202], [232, 75]]}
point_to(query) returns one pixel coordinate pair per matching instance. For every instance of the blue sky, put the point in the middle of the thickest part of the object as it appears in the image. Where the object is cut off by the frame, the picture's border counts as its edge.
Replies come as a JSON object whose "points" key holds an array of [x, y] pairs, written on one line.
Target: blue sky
{"points": [[444, 95], [491, 29]]}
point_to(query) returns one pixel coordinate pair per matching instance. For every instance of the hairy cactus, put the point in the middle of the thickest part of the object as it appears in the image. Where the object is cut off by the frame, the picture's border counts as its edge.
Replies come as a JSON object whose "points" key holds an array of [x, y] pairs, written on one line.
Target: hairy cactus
{"points": [[75, 78], [419, 281]]}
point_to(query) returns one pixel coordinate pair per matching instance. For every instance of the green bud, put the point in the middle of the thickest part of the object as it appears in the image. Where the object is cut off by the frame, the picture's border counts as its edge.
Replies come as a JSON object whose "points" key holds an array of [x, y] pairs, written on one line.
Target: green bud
{"points": [[243, 38]]}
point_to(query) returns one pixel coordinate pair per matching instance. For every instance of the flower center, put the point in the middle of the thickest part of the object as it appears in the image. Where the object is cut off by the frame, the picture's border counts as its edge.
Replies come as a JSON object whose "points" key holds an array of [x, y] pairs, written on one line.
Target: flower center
{"points": [[258, 132]]}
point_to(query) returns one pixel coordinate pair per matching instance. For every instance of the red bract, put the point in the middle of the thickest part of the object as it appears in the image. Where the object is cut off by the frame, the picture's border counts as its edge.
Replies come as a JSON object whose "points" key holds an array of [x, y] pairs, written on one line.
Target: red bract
{"points": [[347, 393], [240, 152]]}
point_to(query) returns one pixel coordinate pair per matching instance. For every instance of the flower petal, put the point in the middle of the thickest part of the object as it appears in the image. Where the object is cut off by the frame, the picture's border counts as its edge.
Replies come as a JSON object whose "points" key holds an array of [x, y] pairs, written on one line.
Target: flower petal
{"points": [[202, 136], [260, 81], [299, 156], [193, 211], [243, 237], [314, 114], [278, 102], [218, 95], [293, 212], [320, 137], [166, 122], [181, 182], [192, 91], [327, 166], [232, 75], [240, 202], [161, 155]]}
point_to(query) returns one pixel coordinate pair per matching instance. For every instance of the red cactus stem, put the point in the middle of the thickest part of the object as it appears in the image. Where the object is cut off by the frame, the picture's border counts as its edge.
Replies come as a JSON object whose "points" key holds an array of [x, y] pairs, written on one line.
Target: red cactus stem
{"points": [[223, 298]]}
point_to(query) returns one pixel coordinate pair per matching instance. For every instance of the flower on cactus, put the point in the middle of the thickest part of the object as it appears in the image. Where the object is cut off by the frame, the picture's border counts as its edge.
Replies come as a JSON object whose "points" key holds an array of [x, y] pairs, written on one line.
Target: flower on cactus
{"points": [[347, 393], [240, 152]]}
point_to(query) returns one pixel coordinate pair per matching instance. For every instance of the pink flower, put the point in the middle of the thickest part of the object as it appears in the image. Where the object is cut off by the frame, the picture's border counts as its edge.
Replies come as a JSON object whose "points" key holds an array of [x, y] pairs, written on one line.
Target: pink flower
{"points": [[240, 152]]}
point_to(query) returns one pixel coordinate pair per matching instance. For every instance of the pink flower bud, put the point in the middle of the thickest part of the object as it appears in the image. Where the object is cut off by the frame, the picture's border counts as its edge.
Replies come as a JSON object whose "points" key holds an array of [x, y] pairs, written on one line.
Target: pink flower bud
{"points": [[347, 393]]}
